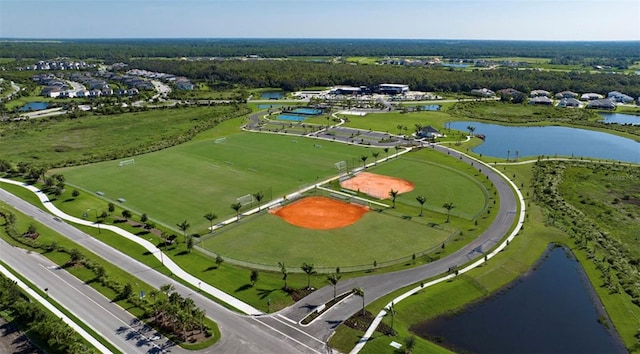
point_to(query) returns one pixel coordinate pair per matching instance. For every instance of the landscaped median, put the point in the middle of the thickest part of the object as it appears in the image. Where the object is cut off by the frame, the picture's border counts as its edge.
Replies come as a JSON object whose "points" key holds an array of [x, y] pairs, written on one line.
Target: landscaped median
{"points": [[112, 282]]}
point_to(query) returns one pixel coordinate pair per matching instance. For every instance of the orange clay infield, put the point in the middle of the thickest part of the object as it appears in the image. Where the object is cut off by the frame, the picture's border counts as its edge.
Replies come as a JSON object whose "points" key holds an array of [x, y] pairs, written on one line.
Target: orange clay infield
{"points": [[377, 186], [321, 213]]}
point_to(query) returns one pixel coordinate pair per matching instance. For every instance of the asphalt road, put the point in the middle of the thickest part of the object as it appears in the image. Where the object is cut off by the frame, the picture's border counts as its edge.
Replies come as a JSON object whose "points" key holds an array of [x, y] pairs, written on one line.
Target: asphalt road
{"points": [[280, 332], [115, 324], [378, 285], [240, 334]]}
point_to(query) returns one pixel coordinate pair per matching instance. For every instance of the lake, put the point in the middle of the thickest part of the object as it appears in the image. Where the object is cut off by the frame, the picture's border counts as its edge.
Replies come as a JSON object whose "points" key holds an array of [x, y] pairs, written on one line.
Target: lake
{"points": [[621, 118], [549, 310], [271, 95], [503, 141], [33, 106]]}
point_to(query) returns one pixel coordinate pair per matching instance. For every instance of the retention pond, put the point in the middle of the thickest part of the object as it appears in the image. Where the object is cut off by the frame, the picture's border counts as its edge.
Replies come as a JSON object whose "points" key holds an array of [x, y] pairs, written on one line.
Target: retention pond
{"points": [[552, 309]]}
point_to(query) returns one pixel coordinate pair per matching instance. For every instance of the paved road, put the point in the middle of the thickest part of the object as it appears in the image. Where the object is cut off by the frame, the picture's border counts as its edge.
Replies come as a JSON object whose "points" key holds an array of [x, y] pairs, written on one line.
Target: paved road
{"points": [[115, 324], [251, 331], [240, 334], [376, 286]]}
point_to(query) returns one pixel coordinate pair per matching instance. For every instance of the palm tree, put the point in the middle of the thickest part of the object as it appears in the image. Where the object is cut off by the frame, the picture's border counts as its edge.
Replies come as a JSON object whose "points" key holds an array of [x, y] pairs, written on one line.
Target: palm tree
{"points": [[236, 206], [308, 268], [386, 151], [189, 243], [392, 311], [409, 344], [210, 216], [259, 196], [167, 289], [418, 127], [471, 129], [448, 206], [364, 159], [421, 199], [397, 148], [393, 194], [360, 292], [184, 226], [333, 280], [253, 277], [219, 261], [375, 155], [283, 270]]}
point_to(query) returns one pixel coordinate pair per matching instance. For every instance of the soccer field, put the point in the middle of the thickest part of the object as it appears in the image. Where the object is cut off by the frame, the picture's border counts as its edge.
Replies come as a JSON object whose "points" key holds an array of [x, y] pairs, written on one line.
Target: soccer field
{"points": [[187, 181]]}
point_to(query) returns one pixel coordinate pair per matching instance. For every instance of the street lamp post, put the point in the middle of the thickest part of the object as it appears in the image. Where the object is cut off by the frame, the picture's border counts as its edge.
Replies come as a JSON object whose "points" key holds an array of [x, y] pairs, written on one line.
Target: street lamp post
{"points": [[97, 221]]}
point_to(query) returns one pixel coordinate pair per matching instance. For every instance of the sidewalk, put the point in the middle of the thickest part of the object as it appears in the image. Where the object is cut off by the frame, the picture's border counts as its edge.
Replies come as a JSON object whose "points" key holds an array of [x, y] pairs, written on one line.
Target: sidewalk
{"points": [[166, 261]]}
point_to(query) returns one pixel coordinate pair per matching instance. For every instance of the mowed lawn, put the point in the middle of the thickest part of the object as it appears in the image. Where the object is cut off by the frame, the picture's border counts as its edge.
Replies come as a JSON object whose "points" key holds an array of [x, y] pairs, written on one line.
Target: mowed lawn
{"points": [[439, 178], [378, 237], [187, 181]]}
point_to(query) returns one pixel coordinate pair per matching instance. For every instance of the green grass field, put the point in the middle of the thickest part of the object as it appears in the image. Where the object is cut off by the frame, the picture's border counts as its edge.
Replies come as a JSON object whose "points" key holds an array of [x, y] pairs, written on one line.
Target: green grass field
{"points": [[187, 181], [57, 141], [268, 239], [433, 178]]}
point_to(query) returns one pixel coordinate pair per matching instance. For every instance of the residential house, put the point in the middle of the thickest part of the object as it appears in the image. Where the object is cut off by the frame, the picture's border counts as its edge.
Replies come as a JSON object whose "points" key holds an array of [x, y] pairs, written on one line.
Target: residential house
{"points": [[483, 92], [603, 103], [569, 103], [590, 96], [566, 94], [543, 100], [540, 93], [620, 97]]}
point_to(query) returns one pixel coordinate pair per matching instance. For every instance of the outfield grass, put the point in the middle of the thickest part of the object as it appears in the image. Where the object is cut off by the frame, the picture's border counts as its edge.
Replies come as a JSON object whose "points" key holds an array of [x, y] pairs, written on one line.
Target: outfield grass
{"points": [[440, 179], [269, 239], [187, 181]]}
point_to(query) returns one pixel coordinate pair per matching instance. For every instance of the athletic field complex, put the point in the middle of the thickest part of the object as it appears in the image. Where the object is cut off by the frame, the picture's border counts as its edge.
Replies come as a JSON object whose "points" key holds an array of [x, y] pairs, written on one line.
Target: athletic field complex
{"points": [[187, 181]]}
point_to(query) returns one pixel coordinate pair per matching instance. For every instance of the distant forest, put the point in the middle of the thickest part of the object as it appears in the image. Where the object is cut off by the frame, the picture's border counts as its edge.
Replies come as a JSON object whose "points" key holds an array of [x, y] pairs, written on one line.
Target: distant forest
{"points": [[294, 75], [123, 49]]}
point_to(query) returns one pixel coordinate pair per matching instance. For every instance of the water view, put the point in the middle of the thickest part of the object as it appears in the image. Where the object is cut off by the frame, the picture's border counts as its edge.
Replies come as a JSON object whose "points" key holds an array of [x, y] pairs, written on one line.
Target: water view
{"points": [[550, 310], [271, 95], [507, 141], [33, 106], [621, 118]]}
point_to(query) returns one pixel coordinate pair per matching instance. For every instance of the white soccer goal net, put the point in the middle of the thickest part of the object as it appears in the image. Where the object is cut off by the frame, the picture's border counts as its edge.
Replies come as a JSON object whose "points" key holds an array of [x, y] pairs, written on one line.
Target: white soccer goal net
{"points": [[126, 162], [342, 167], [245, 199]]}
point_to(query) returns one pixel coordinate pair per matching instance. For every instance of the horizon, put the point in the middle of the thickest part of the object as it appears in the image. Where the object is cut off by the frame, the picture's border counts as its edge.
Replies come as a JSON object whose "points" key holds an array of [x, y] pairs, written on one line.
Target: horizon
{"points": [[71, 39], [492, 20]]}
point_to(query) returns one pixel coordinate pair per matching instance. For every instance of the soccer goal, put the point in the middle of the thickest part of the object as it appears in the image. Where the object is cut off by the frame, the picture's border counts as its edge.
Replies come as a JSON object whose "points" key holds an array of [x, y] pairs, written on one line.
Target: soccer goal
{"points": [[126, 162], [220, 140], [342, 167], [245, 199]]}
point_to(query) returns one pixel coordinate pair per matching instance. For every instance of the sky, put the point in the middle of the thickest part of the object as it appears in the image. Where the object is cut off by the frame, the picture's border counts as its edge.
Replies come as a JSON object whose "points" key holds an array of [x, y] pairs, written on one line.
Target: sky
{"points": [[568, 20]]}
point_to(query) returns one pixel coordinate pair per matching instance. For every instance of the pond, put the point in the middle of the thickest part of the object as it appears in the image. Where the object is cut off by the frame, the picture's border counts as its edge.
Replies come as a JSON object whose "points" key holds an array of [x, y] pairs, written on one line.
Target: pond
{"points": [[553, 309], [271, 95], [505, 141], [33, 106], [621, 118], [455, 65]]}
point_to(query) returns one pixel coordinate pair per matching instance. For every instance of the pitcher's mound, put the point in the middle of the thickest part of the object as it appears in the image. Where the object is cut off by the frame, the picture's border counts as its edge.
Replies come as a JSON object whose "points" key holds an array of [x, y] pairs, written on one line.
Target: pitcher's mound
{"points": [[377, 186], [321, 213]]}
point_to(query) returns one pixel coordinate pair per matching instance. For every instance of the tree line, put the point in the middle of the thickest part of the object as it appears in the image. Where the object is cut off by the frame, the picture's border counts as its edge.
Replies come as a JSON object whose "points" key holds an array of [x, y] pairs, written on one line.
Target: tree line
{"points": [[292, 75], [114, 50]]}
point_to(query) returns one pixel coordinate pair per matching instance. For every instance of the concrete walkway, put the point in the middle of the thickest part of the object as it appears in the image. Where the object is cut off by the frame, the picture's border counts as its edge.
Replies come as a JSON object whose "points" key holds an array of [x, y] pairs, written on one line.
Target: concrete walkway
{"points": [[166, 261]]}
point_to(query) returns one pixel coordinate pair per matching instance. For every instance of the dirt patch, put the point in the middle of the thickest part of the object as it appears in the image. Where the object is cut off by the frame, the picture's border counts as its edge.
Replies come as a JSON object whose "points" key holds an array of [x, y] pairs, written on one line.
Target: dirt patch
{"points": [[321, 213], [377, 186]]}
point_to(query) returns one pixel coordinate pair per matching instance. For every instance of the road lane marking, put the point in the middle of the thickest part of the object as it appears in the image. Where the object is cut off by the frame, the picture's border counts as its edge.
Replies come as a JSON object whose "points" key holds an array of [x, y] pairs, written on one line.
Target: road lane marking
{"points": [[107, 311], [284, 334]]}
